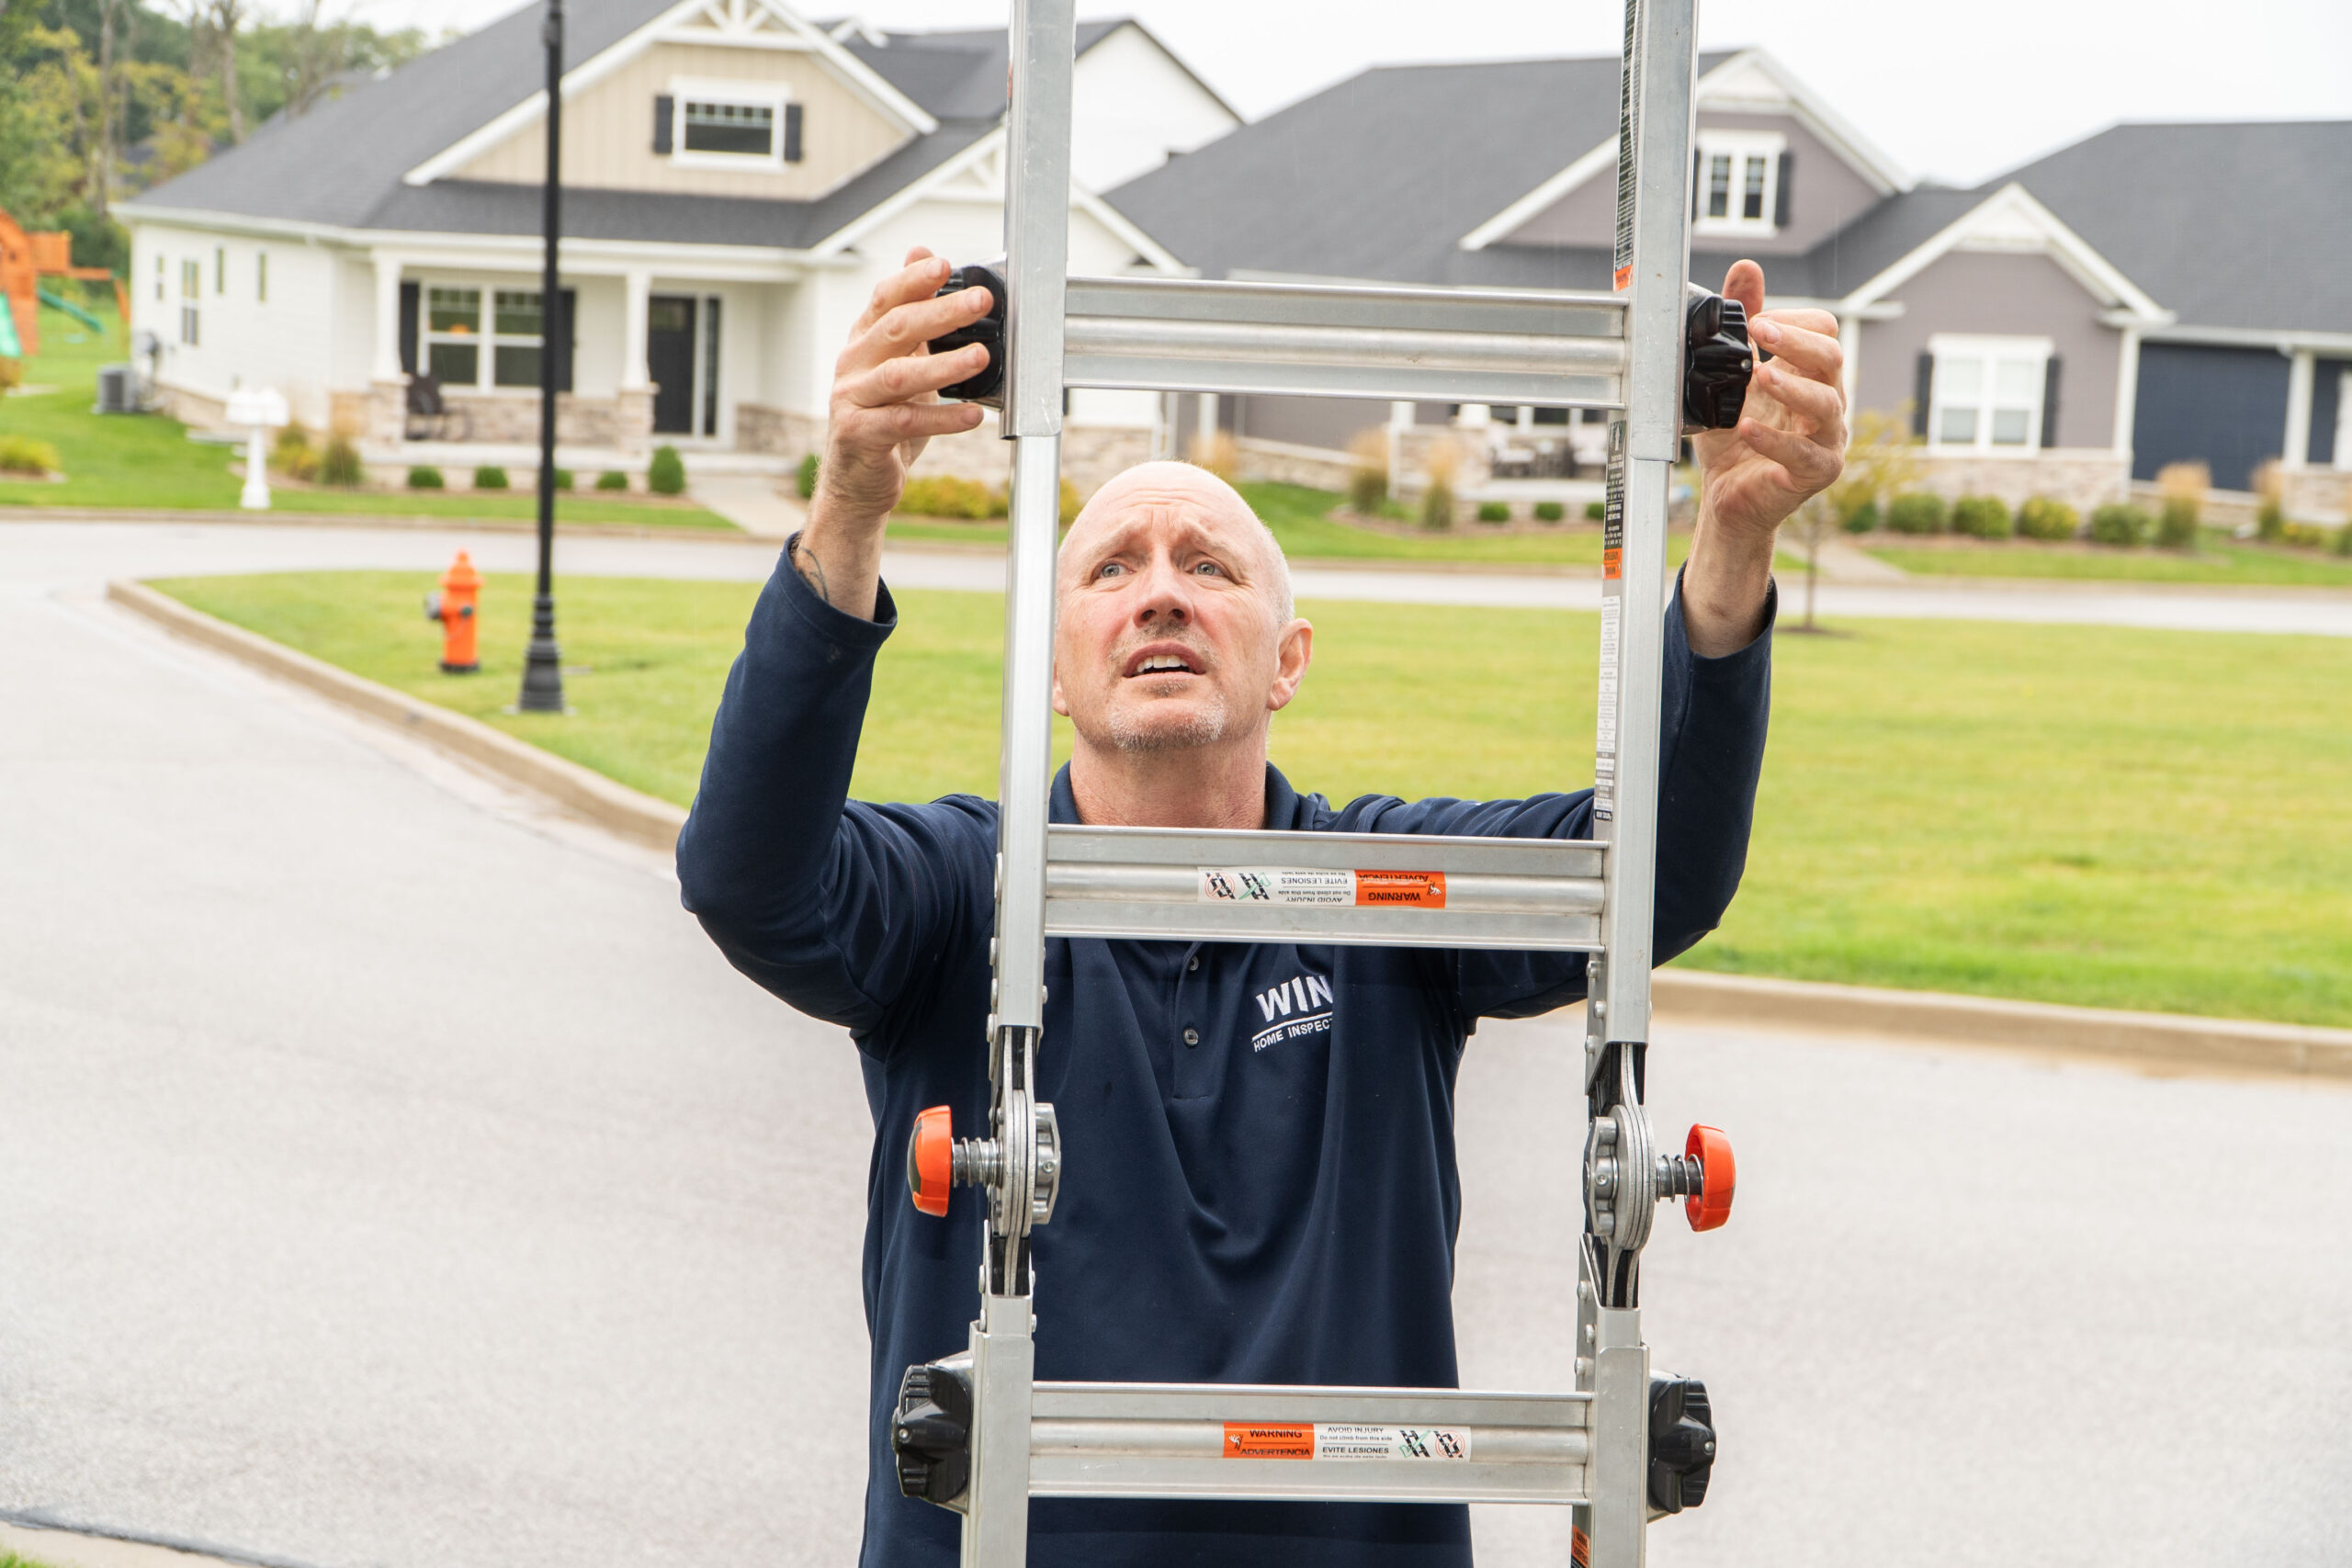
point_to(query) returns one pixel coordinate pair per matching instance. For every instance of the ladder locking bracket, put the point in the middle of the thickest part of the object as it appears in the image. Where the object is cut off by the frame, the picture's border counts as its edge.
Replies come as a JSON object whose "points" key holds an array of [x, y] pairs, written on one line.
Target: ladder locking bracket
{"points": [[937, 1160], [931, 1434], [1717, 362], [986, 389]]}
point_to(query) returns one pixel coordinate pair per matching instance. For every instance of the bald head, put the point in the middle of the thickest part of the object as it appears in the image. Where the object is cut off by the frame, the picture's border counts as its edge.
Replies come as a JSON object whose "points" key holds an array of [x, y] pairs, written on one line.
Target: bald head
{"points": [[1183, 488]]}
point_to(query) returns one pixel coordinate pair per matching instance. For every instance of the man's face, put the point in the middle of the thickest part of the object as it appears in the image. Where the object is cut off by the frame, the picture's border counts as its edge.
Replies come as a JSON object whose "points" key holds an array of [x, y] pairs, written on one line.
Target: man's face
{"points": [[1173, 629]]}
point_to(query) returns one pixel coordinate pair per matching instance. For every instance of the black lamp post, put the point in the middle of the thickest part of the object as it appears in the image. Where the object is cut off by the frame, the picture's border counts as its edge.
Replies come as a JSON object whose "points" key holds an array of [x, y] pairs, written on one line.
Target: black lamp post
{"points": [[542, 664]]}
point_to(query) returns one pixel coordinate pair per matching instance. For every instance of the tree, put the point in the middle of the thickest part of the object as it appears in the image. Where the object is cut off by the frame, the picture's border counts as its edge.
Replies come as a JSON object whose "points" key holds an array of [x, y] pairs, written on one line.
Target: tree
{"points": [[1881, 457]]}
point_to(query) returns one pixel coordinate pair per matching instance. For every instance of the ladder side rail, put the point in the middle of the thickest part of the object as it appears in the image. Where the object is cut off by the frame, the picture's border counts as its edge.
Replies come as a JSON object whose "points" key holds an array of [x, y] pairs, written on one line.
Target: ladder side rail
{"points": [[1657, 91], [1037, 221]]}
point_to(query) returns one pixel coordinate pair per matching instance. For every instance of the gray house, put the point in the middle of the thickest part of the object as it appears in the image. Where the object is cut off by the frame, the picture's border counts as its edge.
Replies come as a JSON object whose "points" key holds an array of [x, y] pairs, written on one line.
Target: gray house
{"points": [[2156, 292]]}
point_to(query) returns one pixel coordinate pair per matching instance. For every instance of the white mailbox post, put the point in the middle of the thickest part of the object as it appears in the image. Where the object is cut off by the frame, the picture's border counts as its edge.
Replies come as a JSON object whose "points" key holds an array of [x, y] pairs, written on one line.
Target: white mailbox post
{"points": [[259, 409]]}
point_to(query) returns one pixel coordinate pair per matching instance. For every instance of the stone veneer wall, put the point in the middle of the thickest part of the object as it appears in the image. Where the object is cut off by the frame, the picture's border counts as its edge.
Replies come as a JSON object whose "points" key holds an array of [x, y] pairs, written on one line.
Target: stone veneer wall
{"points": [[1091, 454], [760, 427], [1282, 462], [623, 422], [1471, 472], [2319, 494], [2081, 477]]}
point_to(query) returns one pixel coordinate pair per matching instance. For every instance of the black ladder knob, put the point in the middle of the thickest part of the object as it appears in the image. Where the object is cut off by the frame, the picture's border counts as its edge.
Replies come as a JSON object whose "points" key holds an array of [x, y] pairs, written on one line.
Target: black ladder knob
{"points": [[1717, 360], [1683, 1443], [931, 1434], [986, 388]]}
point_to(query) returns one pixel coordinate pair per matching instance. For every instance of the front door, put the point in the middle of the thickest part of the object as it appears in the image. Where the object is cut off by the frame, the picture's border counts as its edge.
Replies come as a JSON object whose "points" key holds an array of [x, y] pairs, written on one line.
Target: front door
{"points": [[670, 361]]}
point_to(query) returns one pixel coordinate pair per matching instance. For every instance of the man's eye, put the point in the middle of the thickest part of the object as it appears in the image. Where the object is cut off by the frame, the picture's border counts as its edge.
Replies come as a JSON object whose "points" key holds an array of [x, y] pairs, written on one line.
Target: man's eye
{"points": [[1110, 568], [1209, 568]]}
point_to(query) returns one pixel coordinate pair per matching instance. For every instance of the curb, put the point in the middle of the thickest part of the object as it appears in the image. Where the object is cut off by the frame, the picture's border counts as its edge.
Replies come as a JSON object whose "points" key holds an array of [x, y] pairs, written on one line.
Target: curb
{"points": [[58, 1545], [2177, 1039], [2293, 1050], [635, 816]]}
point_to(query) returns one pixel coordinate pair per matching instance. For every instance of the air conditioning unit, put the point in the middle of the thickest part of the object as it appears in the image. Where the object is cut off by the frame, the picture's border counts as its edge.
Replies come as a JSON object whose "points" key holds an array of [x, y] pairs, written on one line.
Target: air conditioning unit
{"points": [[117, 388]]}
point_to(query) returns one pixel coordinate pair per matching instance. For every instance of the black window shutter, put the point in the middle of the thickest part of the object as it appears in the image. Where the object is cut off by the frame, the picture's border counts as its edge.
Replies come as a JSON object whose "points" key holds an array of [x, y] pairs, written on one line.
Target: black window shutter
{"points": [[2050, 403], [411, 303], [792, 133], [562, 339], [1780, 199], [1698, 166], [1923, 393], [664, 110]]}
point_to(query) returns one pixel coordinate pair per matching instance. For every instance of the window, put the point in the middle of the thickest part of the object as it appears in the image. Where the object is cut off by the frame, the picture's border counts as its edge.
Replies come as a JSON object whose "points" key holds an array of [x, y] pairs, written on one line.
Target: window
{"points": [[219, 269], [261, 276], [1738, 182], [460, 347], [724, 125], [159, 279], [1987, 393], [191, 287]]}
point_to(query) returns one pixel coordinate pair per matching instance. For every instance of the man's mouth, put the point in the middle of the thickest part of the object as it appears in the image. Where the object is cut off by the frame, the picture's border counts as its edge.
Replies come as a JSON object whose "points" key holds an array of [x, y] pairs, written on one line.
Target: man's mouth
{"points": [[1161, 660]]}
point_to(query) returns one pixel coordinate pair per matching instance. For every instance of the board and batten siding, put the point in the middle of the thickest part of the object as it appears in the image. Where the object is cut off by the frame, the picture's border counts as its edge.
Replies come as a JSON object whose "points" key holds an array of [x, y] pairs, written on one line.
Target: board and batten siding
{"points": [[2224, 407], [1998, 294], [609, 130]]}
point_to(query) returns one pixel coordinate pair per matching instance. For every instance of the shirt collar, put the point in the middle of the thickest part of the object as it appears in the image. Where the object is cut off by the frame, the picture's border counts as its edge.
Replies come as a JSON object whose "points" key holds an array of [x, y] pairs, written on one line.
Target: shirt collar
{"points": [[1285, 812]]}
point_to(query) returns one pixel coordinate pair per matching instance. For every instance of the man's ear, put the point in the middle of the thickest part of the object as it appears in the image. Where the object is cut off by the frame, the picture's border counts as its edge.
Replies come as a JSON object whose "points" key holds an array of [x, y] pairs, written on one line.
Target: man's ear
{"points": [[1293, 654], [1061, 704]]}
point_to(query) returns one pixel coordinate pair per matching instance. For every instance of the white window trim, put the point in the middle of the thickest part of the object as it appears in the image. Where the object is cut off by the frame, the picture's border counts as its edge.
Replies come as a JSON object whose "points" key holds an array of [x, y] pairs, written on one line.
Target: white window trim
{"points": [[1739, 146], [1958, 346], [2341, 459], [773, 95], [488, 340]]}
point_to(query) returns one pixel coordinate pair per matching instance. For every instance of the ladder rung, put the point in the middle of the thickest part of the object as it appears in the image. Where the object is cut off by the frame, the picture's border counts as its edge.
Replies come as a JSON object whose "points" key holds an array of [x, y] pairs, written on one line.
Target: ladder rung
{"points": [[1470, 345], [1378, 889], [1403, 1445]]}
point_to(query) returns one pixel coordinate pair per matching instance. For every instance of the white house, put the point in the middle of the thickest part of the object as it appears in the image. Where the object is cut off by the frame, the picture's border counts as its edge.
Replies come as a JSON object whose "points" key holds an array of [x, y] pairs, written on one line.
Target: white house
{"points": [[737, 178]]}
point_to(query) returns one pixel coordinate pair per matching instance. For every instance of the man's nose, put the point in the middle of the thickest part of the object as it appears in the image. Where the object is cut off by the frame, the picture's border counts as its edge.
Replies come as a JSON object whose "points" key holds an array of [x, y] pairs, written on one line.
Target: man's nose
{"points": [[1167, 596]]}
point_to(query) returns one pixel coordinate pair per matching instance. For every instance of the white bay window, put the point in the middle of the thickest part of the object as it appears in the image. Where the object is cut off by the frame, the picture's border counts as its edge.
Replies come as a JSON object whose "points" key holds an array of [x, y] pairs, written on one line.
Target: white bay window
{"points": [[1987, 393]]}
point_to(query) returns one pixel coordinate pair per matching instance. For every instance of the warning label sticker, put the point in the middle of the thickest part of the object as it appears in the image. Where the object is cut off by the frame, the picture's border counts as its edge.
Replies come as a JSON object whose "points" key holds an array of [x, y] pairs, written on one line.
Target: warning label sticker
{"points": [[1340, 1440], [1296, 884]]}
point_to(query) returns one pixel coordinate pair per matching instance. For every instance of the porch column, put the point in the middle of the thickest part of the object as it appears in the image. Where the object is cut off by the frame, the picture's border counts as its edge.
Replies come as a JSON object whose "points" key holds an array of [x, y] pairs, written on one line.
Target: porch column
{"points": [[637, 319], [2298, 410], [387, 366]]}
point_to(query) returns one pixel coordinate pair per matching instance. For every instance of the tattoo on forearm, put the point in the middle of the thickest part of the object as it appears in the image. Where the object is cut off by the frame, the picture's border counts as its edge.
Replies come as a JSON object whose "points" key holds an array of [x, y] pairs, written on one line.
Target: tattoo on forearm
{"points": [[811, 570]]}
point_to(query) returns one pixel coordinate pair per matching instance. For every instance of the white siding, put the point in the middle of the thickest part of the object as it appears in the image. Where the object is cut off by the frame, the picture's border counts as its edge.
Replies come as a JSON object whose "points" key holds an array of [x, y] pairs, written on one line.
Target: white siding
{"points": [[285, 342], [1131, 107]]}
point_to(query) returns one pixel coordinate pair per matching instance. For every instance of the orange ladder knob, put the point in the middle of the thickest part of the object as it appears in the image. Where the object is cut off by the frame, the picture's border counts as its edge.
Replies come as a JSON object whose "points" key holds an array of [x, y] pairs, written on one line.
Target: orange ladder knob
{"points": [[930, 1159], [1711, 1205]]}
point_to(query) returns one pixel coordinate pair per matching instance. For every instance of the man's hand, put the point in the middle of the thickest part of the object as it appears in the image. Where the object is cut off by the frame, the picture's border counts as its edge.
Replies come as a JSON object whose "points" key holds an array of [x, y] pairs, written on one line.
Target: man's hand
{"points": [[1788, 446], [885, 407]]}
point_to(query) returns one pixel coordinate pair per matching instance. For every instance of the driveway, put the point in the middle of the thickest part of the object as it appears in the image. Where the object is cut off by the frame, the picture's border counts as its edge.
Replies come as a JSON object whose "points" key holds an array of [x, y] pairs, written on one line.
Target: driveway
{"points": [[392, 1174]]}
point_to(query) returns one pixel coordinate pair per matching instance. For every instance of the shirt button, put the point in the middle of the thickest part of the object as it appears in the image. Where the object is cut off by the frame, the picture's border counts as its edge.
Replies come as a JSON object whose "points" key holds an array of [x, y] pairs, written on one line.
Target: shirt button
{"points": [[1194, 962], [1192, 1037]]}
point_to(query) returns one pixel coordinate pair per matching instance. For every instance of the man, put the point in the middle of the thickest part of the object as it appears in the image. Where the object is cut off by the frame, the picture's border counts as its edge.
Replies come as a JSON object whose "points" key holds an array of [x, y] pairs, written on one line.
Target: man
{"points": [[1238, 1205]]}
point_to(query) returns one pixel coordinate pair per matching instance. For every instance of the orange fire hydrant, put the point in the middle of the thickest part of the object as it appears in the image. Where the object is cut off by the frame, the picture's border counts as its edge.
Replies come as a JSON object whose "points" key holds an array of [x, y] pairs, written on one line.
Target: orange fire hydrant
{"points": [[453, 606]]}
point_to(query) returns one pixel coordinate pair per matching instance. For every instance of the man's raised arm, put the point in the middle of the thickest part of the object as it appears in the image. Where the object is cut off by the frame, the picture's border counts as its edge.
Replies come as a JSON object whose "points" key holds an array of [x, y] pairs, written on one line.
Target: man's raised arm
{"points": [[830, 905]]}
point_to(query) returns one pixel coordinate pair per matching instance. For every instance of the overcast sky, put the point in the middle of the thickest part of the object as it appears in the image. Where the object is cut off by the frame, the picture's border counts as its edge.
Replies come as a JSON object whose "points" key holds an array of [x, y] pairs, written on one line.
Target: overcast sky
{"points": [[1957, 92]]}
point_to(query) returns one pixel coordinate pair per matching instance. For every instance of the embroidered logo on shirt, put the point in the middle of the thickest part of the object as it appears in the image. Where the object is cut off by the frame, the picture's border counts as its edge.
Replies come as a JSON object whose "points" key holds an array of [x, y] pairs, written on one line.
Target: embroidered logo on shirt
{"points": [[1300, 1005]]}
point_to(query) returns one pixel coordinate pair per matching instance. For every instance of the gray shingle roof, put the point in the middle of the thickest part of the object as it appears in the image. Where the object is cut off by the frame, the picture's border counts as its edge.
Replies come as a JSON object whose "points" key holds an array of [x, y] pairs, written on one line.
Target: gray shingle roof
{"points": [[957, 74], [1380, 177], [341, 165], [2235, 225]]}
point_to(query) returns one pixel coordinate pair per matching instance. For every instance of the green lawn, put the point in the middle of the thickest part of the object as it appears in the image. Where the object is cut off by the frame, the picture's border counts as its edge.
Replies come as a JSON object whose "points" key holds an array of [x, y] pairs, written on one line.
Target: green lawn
{"points": [[2110, 817], [146, 460], [2219, 559]]}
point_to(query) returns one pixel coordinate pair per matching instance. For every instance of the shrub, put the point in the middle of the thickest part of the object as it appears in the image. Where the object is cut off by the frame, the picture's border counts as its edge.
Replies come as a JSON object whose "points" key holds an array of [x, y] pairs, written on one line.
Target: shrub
{"points": [[1918, 512], [2310, 535], [808, 476], [1368, 479], [2042, 518], [339, 464], [1214, 450], [2342, 545], [426, 476], [2270, 509], [612, 479], [2122, 525], [489, 476], [23, 454], [1072, 503], [1437, 505], [1494, 512], [1595, 510], [291, 453], [1981, 517], [12, 373], [563, 479], [666, 474], [2184, 486], [1862, 520], [949, 495], [1549, 512]]}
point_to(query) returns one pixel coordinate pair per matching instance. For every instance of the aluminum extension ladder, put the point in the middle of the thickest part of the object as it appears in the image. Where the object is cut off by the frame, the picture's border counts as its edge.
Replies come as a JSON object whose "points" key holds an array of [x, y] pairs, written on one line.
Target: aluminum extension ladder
{"points": [[975, 1432]]}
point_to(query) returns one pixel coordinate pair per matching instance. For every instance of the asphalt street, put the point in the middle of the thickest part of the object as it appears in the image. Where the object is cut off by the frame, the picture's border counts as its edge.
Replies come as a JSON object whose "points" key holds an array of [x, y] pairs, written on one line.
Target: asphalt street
{"points": [[87, 553], [392, 1174]]}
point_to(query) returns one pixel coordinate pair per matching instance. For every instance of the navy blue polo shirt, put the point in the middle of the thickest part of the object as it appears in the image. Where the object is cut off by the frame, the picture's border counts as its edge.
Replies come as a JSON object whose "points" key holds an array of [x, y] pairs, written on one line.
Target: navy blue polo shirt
{"points": [[1259, 1168]]}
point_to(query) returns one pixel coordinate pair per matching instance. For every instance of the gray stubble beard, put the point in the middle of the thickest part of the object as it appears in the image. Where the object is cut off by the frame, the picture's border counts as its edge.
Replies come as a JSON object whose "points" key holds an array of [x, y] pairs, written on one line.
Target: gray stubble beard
{"points": [[1129, 732]]}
